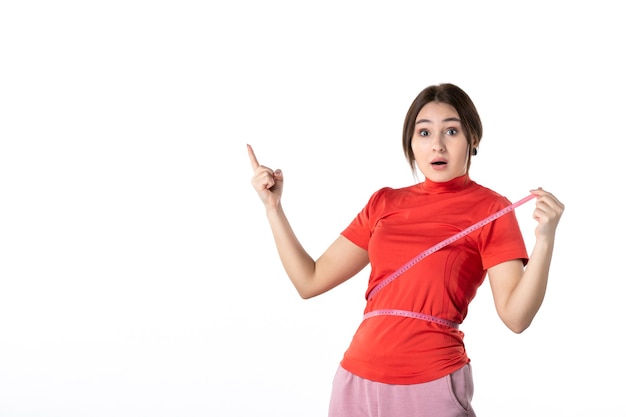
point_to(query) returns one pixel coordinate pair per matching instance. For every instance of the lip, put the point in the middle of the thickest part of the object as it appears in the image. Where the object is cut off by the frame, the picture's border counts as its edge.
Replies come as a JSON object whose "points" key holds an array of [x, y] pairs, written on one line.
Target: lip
{"points": [[438, 167]]}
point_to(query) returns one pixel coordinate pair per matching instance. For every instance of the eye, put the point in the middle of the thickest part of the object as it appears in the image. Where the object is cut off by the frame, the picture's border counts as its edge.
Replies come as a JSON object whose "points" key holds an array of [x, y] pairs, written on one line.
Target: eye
{"points": [[452, 131], [423, 133]]}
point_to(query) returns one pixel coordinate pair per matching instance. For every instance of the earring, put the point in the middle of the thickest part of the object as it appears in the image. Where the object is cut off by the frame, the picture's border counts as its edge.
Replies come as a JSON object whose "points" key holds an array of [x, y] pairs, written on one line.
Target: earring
{"points": [[474, 151]]}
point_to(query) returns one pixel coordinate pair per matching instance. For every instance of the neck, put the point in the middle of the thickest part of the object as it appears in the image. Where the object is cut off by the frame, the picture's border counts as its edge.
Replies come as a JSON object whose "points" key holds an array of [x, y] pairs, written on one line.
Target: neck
{"points": [[454, 184]]}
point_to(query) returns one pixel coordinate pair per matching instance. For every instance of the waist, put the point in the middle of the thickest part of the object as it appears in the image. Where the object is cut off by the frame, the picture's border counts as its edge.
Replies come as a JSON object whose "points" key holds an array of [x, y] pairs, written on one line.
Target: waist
{"points": [[411, 314]]}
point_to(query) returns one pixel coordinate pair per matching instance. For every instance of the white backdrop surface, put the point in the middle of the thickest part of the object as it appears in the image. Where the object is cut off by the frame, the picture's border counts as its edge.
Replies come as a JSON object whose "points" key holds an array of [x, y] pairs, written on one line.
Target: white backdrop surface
{"points": [[137, 272]]}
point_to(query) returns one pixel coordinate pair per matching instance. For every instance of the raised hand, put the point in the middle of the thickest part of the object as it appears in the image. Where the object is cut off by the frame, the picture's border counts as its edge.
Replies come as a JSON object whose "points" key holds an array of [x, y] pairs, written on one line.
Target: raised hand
{"points": [[547, 212], [267, 182]]}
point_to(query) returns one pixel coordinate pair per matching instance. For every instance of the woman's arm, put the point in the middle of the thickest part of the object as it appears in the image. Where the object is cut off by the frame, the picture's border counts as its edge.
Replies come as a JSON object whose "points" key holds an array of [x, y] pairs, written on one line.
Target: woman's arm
{"points": [[518, 292], [341, 261]]}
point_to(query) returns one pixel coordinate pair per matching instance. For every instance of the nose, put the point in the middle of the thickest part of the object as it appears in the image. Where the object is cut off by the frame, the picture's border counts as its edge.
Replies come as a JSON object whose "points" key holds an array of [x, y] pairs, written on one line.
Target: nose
{"points": [[437, 143]]}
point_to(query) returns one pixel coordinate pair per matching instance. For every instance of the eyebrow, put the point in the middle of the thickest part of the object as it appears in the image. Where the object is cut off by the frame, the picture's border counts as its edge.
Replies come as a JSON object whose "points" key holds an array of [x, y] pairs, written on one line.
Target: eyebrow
{"points": [[449, 119]]}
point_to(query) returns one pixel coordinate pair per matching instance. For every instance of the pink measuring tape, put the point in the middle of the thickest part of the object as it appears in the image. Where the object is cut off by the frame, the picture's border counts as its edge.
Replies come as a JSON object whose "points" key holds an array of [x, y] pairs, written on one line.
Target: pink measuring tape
{"points": [[430, 251]]}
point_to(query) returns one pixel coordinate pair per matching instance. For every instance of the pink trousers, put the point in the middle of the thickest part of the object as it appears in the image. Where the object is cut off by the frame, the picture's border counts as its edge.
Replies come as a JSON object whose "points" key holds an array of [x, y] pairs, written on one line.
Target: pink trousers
{"points": [[449, 396]]}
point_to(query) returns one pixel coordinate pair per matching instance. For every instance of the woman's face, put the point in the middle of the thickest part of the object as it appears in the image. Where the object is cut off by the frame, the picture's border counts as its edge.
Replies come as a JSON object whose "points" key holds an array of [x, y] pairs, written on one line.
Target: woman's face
{"points": [[440, 147]]}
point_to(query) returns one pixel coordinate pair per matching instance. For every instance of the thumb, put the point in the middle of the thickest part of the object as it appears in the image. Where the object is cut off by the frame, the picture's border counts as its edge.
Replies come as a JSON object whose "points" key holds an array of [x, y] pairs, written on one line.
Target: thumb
{"points": [[278, 174]]}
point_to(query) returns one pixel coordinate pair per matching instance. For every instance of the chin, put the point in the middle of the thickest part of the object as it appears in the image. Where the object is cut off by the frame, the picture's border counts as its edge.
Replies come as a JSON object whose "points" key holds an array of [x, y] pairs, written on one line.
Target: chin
{"points": [[441, 177]]}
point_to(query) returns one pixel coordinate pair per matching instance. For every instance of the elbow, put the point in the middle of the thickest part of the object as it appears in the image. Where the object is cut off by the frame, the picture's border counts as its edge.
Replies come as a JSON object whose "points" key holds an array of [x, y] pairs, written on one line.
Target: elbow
{"points": [[517, 327], [310, 288], [304, 290], [517, 330], [517, 320], [307, 293]]}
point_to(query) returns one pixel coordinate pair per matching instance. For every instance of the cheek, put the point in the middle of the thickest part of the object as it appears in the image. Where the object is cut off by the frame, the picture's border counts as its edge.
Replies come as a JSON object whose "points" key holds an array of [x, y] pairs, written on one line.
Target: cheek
{"points": [[421, 151], [418, 144]]}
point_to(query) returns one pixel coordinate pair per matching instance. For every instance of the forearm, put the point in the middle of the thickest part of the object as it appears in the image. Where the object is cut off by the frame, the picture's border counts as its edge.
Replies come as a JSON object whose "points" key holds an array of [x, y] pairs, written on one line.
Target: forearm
{"points": [[528, 295], [298, 264]]}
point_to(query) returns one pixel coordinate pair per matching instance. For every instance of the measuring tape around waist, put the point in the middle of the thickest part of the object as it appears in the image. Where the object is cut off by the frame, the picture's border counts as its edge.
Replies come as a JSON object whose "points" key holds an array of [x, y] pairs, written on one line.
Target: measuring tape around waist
{"points": [[446, 242], [412, 315]]}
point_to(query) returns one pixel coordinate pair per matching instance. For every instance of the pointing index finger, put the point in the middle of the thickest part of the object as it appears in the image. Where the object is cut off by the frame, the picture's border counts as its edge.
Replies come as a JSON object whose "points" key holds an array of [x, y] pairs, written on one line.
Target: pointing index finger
{"points": [[253, 160]]}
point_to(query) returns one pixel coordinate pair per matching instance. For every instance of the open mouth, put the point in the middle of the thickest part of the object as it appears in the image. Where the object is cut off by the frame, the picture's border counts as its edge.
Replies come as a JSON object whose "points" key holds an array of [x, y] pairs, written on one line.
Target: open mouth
{"points": [[438, 163]]}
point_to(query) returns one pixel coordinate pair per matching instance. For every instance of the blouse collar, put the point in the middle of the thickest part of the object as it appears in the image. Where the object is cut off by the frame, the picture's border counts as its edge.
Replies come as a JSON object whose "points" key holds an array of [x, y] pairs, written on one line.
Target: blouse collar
{"points": [[453, 185]]}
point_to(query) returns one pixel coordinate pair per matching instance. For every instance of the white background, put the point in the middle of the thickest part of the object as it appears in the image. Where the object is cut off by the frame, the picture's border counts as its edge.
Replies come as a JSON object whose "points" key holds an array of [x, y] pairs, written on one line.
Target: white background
{"points": [[138, 276]]}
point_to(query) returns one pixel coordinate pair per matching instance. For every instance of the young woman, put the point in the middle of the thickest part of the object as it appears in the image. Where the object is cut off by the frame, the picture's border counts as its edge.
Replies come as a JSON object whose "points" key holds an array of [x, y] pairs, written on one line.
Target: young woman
{"points": [[407, 358]]}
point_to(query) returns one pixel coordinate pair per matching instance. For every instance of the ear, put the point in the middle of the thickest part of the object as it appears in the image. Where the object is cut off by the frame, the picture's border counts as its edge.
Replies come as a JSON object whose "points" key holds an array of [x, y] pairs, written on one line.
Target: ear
{"points": [[474, 146]]}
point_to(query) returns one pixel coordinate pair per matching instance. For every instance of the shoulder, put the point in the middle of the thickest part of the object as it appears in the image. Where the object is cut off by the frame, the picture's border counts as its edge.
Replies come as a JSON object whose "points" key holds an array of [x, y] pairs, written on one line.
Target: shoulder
{"points": [[488, 196], [387, 194]]}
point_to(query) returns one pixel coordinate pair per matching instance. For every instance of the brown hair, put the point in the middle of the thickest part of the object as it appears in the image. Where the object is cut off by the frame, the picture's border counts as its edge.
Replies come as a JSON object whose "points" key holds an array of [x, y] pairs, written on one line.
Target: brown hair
{"points": [[457, 98]]}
